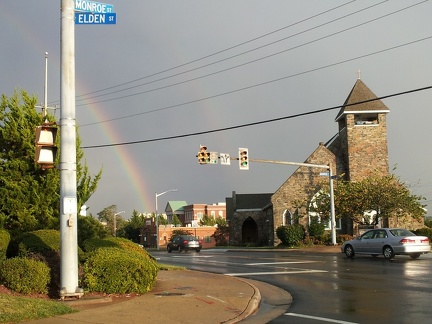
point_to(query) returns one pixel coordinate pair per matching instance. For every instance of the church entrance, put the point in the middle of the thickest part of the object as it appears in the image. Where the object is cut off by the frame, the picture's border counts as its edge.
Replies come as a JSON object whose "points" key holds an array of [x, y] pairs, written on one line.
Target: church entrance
{"points": [[249, 232]]}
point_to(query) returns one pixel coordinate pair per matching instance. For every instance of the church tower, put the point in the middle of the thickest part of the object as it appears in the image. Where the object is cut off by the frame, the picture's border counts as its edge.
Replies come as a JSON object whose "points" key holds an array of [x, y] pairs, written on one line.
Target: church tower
{"points": [[363, 134]]}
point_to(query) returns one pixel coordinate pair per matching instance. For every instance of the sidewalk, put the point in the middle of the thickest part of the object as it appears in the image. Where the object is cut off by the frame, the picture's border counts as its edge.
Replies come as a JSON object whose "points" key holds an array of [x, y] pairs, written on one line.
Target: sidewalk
{"points": [[180, 296]]}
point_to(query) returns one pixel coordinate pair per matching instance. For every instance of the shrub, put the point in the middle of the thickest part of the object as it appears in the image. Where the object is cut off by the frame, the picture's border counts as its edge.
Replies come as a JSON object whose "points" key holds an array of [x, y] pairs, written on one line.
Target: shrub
{"points": [[4, 243], [114, 270], [25, 275], [39, 242], [426, 231], [316, 229], [290, 235], [221, 235], [115, 242], [343, 237], [44, 245], [89, 227]]}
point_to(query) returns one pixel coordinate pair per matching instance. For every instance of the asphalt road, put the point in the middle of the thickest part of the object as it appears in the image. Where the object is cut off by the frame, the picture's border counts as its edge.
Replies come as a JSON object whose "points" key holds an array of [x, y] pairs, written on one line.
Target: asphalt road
{"points": [[327, 287]]}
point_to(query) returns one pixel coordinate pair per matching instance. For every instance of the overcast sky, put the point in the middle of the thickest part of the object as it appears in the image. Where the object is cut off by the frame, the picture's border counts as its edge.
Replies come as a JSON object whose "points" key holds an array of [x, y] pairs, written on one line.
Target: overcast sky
{"points": [[173, 68]]}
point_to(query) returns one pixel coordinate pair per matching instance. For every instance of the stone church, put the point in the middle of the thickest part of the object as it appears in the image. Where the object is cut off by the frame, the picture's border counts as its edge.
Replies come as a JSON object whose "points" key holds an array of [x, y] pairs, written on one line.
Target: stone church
{"points": [[358, 150]]}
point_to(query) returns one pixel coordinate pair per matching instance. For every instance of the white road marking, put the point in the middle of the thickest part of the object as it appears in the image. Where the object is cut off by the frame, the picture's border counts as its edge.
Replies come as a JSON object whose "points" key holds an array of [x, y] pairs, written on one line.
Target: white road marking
{"points": [[272, 273], [323, 319], [285, 262]]}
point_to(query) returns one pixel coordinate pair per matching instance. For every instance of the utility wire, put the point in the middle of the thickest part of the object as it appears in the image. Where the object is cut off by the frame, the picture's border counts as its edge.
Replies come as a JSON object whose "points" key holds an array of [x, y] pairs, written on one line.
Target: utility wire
{"points": [[258, 122], [258, 84], [219, 52], [246, 52], [239, 65]]}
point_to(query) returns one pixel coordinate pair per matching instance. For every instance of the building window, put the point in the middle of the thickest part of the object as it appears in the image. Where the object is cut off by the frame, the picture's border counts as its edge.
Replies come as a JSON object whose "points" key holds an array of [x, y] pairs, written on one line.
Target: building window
{"points": [[321, 198], [213, 213], [366, 119], [287, 218]]}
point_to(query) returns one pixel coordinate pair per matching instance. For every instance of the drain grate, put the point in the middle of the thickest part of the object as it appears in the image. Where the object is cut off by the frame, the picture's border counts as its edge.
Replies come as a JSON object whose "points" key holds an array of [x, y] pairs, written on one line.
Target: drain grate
{"points": [[169, 294]]}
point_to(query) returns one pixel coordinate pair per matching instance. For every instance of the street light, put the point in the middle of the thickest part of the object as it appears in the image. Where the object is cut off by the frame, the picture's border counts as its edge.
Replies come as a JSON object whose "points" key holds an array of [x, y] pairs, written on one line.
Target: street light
{"points": [[115, 226], [156, 208]]}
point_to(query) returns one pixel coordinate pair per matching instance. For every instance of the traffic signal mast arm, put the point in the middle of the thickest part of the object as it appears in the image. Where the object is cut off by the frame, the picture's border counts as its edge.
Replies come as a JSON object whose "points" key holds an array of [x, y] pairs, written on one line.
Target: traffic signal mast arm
{"points": [[322, 166], [244, 152]]}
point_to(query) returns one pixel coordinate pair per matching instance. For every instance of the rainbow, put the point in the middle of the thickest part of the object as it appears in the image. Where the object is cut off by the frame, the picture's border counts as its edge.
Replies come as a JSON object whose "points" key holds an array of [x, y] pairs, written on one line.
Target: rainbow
{"points": [[133, 172]]}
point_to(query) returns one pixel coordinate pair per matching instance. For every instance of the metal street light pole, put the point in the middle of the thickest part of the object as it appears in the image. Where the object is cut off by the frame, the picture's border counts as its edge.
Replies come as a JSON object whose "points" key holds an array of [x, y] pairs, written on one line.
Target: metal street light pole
{"points": [[156, 215], [331, 177], [114, 221], [67, 166]]}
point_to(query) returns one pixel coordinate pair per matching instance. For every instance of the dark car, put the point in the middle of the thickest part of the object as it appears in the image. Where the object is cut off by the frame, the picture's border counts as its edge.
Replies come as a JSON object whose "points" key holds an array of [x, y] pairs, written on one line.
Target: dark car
{"points": [[388, 242], [184, 243]]}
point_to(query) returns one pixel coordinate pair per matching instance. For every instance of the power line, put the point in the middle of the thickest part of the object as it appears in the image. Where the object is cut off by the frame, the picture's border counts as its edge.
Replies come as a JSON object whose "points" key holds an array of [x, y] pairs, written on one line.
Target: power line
{"points": [[221, 51], [256, 85], [256, 123], [240, 54], [224, 70]]}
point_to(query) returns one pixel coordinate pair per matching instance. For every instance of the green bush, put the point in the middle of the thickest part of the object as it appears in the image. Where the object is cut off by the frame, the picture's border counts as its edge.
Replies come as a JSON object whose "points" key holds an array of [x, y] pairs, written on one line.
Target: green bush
{"points": [[290, 235], [44, 245], [89, 227], [426, 231], [115, 270], [316, 229], [93, 244], [4, 243], [25, 275], [39, 241]]}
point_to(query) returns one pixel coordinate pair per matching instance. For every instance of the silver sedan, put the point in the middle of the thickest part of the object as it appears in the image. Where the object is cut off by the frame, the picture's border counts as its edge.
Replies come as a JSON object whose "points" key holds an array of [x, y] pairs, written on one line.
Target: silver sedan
{"points": [[388, 242]]}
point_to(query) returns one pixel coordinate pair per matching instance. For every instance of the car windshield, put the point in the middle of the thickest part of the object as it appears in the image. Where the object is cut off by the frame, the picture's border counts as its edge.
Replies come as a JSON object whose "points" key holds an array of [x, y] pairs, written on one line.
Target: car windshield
{"points": [[401, 232]]}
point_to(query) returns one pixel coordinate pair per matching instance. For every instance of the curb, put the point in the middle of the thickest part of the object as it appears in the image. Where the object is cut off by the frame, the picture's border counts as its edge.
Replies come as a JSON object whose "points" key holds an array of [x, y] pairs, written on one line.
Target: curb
{"points": [[252, 306]]}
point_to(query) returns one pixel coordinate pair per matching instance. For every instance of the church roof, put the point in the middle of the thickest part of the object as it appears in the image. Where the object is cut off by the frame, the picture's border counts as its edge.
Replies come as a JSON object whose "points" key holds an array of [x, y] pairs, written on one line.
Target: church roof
{"points": [[360, 93]]}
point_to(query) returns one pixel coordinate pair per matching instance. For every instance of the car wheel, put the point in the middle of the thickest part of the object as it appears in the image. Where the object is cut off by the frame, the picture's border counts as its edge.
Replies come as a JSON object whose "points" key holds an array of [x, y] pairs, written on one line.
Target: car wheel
{"points": [[169, 249], [179, 249], [388, 252], [414, 255], [349, 251]]}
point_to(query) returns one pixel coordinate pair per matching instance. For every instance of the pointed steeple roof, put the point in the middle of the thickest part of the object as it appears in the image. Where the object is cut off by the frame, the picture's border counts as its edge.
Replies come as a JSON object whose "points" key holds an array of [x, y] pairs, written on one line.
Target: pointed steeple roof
{"points": [[360, 92]]}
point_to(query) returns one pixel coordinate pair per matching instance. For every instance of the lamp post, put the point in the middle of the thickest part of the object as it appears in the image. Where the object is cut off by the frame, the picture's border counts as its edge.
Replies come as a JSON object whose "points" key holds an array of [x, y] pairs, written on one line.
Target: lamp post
{"points": [[114, 221], [156, 215]]}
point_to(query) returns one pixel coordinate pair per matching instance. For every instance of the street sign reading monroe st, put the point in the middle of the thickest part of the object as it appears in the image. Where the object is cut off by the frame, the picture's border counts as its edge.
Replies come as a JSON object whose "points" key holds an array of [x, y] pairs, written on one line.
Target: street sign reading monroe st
{"points": [[93, 7], [94, 13]]}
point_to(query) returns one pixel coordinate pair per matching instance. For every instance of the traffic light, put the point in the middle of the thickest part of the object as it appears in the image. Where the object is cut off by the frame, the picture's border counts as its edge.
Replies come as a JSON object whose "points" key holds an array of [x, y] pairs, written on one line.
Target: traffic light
{"points": [[243, 159], [46, 149], [203, 155]]}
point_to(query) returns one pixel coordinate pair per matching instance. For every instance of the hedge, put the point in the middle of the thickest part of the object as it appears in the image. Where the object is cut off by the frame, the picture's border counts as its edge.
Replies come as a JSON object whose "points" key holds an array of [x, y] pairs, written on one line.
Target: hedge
{"points": [[25, 275], [115, 270]]}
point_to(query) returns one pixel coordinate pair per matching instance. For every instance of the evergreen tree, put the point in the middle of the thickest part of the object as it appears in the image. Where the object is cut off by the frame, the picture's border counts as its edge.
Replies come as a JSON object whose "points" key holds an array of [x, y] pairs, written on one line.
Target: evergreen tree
{"points": [[175, 220], [133, 227], [30, 196]]}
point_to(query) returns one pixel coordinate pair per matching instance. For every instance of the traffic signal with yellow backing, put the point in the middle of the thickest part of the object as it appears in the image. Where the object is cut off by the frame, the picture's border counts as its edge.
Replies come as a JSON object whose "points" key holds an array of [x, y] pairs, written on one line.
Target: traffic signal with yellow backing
{"points": [[46, 150]]}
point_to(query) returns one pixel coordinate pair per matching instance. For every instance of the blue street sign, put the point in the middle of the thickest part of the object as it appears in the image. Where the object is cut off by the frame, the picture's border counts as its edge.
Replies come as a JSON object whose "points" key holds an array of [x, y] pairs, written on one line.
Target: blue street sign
{"points": [[93, 7], [86, 18]]}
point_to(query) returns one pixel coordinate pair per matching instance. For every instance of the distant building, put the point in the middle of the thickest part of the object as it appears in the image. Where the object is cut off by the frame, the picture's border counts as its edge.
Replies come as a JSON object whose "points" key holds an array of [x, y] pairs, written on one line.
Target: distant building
{"points": [[189, 216]]}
